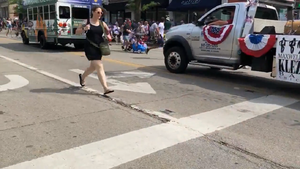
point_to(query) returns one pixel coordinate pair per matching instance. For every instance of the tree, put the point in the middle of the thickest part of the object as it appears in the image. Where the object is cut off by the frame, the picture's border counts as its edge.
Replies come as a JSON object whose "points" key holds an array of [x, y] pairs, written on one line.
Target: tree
{"points": [[137, 7], [19, 8]]}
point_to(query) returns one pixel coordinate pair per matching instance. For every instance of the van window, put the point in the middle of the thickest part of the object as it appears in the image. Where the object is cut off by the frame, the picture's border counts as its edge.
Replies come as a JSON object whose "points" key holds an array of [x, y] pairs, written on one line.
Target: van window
{"points": [[80, 13], [266, 13], [64, 12]]}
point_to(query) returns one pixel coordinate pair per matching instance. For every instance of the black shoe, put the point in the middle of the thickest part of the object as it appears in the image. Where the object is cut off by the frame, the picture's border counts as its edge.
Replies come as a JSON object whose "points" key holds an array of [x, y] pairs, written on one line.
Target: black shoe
{"points": [[81, 81]]}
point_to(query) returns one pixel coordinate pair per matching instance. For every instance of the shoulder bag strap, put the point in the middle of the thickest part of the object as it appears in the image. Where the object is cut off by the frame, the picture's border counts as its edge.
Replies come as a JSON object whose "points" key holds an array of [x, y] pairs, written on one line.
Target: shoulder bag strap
{"points": [[104, 31], [94, 44]]}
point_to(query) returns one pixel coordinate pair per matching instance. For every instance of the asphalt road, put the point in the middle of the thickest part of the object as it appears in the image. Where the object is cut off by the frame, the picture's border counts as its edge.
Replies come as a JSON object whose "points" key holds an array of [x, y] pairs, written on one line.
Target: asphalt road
{"points": [[201, 119]]}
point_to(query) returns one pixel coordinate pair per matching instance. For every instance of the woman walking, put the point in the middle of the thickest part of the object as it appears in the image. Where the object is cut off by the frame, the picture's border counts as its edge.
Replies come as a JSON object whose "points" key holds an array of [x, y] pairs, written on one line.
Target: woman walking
{"points": [[95, 30]]}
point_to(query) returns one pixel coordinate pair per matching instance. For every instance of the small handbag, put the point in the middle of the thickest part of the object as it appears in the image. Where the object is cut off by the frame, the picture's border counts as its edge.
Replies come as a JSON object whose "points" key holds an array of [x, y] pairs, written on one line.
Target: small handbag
{"points": [[104, 46]]}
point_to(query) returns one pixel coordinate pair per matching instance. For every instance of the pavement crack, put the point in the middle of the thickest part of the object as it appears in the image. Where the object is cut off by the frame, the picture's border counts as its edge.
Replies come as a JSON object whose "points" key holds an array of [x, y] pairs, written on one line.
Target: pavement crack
{"points": [[135, 108], [233, 147]]}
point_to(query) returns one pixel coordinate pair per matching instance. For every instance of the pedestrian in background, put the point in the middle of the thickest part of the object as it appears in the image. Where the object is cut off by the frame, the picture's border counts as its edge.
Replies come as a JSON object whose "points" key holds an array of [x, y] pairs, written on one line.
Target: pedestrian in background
{"points": [[95, 29], [158, 33]]}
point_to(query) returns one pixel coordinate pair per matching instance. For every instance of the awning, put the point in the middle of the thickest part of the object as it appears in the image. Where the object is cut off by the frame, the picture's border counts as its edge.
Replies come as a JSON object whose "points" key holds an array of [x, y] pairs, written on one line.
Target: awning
{"points": [[115, 6], [197, 5], [162, 3]]}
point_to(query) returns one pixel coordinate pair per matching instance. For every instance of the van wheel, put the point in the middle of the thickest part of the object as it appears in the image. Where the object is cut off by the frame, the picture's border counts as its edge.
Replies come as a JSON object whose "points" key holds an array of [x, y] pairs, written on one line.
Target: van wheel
{"points": [[78, 46], [43, 42], [176, 60], [24, 38]]}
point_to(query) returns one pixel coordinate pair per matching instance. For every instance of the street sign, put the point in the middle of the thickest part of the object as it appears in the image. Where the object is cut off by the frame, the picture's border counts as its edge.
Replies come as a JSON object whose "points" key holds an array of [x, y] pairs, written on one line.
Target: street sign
{"points": [[15, 82], [140, 87]]}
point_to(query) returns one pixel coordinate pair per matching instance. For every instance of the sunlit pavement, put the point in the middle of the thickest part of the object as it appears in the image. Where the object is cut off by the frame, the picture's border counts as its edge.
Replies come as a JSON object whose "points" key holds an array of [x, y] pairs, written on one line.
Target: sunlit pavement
{"points": [[154, 119]]}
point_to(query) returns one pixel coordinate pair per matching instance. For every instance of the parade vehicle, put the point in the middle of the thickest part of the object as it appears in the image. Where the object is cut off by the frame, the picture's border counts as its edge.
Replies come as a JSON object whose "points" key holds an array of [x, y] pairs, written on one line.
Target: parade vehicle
{"points": [[52, 22], [252, 36]]}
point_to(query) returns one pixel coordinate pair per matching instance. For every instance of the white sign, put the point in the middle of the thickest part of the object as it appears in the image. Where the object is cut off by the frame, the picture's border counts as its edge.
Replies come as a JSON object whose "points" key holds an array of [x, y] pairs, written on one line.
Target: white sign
{"points": [[15, 82], [140, 87], [288, 58]]}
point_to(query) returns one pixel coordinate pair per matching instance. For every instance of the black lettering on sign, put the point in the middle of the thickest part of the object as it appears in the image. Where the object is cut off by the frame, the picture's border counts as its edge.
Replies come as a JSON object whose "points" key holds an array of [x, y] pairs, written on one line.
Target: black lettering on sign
{"points": [[288, 66]]}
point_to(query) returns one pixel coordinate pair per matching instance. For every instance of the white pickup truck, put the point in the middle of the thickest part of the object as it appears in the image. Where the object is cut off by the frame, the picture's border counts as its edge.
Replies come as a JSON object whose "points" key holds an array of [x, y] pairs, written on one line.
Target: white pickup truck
{"points": [[243, 38]]}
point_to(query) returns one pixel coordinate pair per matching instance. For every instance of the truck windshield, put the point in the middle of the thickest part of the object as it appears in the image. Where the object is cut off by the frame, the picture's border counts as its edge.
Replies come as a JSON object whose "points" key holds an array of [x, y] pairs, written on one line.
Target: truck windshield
{"points": [[80, 13], [266, 13]]}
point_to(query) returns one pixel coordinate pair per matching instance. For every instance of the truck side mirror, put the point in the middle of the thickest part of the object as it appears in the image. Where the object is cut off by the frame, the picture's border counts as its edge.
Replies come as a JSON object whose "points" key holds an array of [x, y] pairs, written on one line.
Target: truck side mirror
{"points": [[200, 23]]}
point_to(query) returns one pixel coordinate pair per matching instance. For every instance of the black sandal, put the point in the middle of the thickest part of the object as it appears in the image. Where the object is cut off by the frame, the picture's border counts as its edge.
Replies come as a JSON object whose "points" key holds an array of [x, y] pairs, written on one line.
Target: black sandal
{"points": [[108, 91], [81, 81]]}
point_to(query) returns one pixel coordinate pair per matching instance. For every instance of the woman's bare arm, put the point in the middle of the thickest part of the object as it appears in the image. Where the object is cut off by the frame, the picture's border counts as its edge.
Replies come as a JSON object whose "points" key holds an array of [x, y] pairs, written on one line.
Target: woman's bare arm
{"points": [[106, 28]]}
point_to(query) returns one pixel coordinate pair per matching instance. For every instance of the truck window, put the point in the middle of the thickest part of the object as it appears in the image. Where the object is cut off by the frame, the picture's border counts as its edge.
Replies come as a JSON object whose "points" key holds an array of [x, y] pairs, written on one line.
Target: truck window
{"points": [[46, 12], [223, 14], [64, 12], [34, 13], [40, 13], [30, 16], [266, 13], [52, 12], [80, 13]]}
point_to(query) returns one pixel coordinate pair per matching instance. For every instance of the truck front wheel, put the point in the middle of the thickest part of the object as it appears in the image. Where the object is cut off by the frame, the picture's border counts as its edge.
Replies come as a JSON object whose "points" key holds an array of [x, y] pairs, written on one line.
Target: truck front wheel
{"points": [[175, 60]]}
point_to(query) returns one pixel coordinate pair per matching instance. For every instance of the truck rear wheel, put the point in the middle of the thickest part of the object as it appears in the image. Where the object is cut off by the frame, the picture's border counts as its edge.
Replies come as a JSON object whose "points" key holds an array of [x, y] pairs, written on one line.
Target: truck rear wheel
{"points": [[78, 46], [43, 42], [175, 60], [24, 38]]}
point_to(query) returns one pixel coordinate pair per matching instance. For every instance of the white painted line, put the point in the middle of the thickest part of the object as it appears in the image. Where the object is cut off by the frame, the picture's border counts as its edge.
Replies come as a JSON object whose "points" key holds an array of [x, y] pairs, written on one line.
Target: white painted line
{"points": [[141, 87], [127, 147], [233, 114], [114, 151], [15, 82]]}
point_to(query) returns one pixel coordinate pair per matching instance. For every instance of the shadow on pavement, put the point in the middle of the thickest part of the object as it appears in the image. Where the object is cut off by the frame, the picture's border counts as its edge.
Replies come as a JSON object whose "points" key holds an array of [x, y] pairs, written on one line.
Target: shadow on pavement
{"points": [[34, 47], [68, 90], [213, 79]]}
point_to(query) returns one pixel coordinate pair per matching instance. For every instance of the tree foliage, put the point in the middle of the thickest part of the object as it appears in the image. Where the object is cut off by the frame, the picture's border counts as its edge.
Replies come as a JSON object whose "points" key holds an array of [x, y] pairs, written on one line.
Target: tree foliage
{"points": [[137, 7], [19, 9]]}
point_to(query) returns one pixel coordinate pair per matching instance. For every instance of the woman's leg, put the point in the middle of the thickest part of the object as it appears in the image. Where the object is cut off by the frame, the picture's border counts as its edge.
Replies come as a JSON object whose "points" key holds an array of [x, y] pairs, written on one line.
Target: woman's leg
{"points": [[101, 74], [88, 71]]}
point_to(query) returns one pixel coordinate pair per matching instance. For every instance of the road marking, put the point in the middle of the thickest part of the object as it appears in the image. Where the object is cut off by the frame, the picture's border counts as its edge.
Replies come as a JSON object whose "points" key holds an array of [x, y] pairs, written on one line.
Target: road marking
{"points": [[115, 151], [87, 89], [141, 87], [142, 75], [15, 82], [204, 79]]}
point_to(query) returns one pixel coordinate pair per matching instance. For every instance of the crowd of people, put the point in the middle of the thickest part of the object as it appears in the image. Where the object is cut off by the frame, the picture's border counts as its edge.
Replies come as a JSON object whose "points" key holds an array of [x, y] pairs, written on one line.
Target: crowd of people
{"points": [[9, 25], [140, 36]]}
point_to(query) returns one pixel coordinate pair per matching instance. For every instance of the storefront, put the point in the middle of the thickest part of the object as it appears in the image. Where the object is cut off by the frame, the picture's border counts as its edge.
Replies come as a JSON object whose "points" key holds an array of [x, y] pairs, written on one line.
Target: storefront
{"points": [[284, 8], [4, 10], [183, 10], [157, 12], [116, 12]]}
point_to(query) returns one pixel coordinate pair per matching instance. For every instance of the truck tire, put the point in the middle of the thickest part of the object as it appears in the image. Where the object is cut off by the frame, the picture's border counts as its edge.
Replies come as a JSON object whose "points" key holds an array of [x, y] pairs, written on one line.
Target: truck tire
{"points": [[25, 40], [43, 42], [176, 60], [79, 46]]}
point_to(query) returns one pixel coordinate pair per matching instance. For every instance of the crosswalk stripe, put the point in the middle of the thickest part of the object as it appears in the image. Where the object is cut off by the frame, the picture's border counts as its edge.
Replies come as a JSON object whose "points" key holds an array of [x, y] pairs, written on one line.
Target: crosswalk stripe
{"points": [[127, 147]]}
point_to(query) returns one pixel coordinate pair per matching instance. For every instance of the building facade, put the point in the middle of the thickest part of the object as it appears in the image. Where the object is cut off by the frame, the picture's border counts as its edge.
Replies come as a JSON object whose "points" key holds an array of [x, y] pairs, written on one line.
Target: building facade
{"points": [[117, 11], [7, 10]]}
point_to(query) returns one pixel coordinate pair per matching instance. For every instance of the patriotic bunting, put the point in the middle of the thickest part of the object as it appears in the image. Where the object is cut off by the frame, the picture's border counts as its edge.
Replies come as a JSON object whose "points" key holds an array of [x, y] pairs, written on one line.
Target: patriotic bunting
{"points": [[257, 45], [216, 34]]}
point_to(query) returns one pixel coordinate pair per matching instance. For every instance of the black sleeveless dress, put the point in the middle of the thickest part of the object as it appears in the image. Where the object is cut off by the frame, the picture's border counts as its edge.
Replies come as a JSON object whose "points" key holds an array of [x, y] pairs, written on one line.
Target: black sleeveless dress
{"points": [[95, 35]]}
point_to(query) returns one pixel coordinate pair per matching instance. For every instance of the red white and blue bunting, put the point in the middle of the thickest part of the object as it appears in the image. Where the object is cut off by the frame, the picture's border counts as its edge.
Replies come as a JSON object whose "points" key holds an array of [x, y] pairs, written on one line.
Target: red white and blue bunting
{"points": [[216, 34], [257, 45]]}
